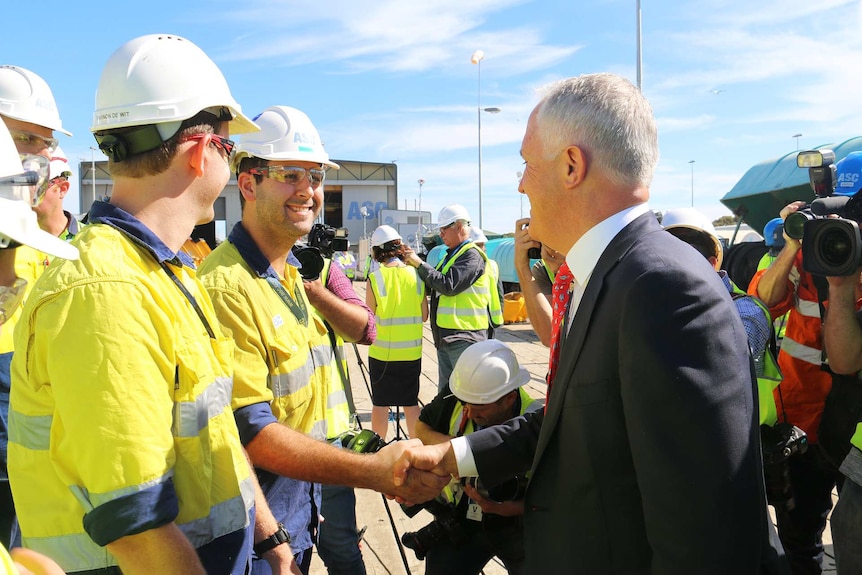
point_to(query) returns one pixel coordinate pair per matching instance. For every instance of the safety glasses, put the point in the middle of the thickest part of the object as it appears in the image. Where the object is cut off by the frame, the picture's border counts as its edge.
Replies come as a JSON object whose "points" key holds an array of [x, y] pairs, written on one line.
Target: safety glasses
{"points": [[33, 143], [292, 175], [219, 142], [29, 186]]}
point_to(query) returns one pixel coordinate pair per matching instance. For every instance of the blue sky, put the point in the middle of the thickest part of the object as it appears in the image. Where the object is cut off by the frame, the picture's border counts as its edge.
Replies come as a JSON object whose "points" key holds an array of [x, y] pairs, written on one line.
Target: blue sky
{"points": [[730, 83]]}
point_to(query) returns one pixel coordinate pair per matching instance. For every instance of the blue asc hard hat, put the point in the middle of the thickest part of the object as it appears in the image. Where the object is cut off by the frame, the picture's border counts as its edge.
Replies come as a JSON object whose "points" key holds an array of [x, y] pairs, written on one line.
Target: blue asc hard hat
{"points": [[773, 232], [848, 174]]}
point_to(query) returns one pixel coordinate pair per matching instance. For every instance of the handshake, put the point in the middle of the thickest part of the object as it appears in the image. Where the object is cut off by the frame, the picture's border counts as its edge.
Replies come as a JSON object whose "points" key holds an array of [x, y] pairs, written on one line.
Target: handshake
{"points": [[417, 472]]}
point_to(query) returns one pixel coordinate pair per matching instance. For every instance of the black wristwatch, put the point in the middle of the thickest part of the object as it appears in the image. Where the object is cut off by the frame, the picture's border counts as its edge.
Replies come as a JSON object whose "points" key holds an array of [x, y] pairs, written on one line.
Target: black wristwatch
{"points": [[272, 541]]}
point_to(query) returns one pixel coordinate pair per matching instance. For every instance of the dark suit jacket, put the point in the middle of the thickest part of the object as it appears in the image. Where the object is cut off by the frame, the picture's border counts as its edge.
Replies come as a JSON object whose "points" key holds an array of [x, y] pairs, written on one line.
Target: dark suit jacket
{"points": [[647, 460]]}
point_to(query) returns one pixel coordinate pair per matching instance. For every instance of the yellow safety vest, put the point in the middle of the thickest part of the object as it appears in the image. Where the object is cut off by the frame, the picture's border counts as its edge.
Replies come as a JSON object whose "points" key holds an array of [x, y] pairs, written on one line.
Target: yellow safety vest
{"points": [[770, 377], [469, 310], [398, 292]]}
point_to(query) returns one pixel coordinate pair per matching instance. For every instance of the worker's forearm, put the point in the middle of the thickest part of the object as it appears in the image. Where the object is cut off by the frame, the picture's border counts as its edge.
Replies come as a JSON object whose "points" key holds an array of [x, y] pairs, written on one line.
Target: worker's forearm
{"points": [[773, 284]]}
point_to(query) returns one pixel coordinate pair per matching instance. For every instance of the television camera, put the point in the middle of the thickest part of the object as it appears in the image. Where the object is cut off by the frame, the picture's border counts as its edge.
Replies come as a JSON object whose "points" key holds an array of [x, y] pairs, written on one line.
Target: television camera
{"points": [[829, 225], [323, 241]]}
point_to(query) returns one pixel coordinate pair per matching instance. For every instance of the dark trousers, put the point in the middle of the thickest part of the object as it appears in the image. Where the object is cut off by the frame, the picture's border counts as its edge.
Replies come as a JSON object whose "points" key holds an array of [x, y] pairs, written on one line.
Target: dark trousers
{"points": [[801, 529]]}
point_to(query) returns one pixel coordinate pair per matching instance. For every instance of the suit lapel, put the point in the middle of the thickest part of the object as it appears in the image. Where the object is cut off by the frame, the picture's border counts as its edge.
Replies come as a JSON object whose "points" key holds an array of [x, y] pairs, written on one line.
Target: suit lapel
{"points": [[573, 342]]}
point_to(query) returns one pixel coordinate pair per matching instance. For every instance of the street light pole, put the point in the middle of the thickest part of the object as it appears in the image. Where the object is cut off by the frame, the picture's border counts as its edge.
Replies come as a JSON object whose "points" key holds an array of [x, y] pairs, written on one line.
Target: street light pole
{"points": [[421, 229], [797, 136], [692, 182], [520, 175], [639, 55], [93, 170], [477, 58]]}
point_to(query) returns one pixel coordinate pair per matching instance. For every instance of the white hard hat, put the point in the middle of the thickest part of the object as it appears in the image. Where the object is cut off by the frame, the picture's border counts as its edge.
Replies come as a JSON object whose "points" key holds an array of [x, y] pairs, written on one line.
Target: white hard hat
{"points": [[285, 134], [451, 214], [25, 96], [162, 79], [485, 372], [384, 234], [694, 220], [17, 220], [477, 236], [59, 165]]}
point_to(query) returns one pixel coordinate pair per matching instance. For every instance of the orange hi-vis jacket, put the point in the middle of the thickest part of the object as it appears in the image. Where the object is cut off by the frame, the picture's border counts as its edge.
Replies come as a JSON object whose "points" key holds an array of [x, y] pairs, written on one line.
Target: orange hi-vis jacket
{"points": [[805, 385]]}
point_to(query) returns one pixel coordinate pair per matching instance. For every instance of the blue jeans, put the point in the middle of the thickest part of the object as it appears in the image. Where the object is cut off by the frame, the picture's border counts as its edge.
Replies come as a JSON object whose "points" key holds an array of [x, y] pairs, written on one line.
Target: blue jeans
{"points": [[847, 529], [447, 357], [801, 530], [10, 535], [337, 539]]}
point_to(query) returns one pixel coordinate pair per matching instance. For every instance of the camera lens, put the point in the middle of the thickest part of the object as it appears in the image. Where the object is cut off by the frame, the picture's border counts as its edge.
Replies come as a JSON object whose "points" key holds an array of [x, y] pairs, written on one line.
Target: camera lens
{"points": [[794, 224], [834, 247]]}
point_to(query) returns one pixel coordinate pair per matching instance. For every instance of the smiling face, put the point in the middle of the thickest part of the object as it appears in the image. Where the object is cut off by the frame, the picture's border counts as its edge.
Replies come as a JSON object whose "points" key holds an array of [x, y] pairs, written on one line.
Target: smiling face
{"points": [[285, 212]]}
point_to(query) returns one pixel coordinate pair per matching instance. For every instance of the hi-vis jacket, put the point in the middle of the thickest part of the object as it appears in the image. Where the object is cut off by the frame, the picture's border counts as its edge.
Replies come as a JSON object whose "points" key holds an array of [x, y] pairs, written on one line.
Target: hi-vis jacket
{"points": [[338, 417], [399, 292], [120, 415], [469, 310], [805, 385], [282, 364]]}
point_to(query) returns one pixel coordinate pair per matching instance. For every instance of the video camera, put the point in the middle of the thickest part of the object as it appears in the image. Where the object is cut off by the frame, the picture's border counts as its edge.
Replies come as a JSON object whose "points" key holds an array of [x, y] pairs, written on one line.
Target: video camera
{"points": [[323, 241], [778, 443], [831, 246], [446, 526], [362, 441]]}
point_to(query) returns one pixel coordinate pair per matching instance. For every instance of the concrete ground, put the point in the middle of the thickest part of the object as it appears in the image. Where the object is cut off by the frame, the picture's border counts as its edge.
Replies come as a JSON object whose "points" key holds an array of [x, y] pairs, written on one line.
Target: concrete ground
{"points": [[381, 518]]}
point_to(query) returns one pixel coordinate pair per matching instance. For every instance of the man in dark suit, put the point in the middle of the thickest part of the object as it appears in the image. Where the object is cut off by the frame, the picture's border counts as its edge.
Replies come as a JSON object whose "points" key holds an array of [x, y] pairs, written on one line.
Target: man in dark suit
{"points": [[647, 460]]}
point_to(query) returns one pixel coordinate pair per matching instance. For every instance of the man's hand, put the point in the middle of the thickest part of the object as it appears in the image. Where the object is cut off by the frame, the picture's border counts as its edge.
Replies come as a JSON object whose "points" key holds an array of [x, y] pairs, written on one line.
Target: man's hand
{"points": [[400, 482], [313, 289], [409, 257], [504, 508], [30, 562], [523, 242], [436, 460], [281, 561]]}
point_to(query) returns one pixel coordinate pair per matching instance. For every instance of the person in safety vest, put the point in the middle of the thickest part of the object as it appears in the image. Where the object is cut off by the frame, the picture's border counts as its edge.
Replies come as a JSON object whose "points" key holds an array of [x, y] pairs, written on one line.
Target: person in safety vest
{"points": [[347, 318], [479, 238], [123, 454], [18, 227], [396, 294], [695, 229], [487, 389], [536, 281], [283, 355], [786, 287], [842, 336], [773, 237], [464, 304], [28, 110]]}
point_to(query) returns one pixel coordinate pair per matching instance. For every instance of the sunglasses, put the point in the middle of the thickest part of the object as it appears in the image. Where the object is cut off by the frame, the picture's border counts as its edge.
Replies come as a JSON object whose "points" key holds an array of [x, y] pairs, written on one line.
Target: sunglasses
{"points": [[219, 142], [292, 175], [34, 142]]}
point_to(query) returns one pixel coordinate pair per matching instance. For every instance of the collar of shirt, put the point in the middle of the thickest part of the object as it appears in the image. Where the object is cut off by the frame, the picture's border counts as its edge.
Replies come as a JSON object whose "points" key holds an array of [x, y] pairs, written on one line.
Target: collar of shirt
{"points": [[249, 251], [585, 254], [73, 228], [105, 213]]}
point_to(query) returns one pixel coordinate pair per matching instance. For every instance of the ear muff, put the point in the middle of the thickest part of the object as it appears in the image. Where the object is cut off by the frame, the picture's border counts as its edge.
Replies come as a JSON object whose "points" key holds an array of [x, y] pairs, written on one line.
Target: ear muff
{"points": [[114, 146]]}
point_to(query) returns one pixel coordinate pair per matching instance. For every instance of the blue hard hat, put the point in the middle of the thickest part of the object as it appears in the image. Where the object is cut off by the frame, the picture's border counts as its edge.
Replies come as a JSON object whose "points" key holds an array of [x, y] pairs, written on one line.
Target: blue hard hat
{"points": [[773, 232], [848, 174]]}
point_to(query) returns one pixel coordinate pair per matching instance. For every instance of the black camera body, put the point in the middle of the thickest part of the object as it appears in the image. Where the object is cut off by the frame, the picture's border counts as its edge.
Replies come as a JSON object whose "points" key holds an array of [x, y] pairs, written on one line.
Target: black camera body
{"points": [[778, 444], [828, 226], [323, 241], [445, 527], [328, 239]]}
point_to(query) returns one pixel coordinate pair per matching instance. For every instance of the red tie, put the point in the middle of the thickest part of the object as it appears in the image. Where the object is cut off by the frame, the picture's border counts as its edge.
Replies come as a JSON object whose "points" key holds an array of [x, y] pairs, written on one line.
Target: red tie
{"points": [[561, 294]]}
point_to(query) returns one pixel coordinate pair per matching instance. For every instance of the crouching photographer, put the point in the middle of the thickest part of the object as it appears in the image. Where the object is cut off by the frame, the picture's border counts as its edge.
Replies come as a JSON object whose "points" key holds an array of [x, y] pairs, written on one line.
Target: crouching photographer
{"points": [[795, 282], [473, 524]]}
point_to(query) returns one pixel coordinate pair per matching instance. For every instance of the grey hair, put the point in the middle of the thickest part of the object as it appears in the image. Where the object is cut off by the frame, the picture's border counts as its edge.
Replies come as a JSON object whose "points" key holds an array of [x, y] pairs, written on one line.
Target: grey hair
{"points": [[606, 116]]}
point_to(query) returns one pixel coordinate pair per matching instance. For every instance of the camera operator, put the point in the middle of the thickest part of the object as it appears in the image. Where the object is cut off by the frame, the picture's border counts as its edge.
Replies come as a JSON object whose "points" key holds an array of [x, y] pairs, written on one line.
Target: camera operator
{"points": [[536, 281], [842, 335], [785, 286], [486, 387]]}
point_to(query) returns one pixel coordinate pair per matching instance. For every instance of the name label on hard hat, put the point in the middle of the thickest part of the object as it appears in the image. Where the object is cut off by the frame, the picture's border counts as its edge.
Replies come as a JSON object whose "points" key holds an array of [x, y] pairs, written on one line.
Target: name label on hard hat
{"points": [[113, 115], [306, 138]]}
